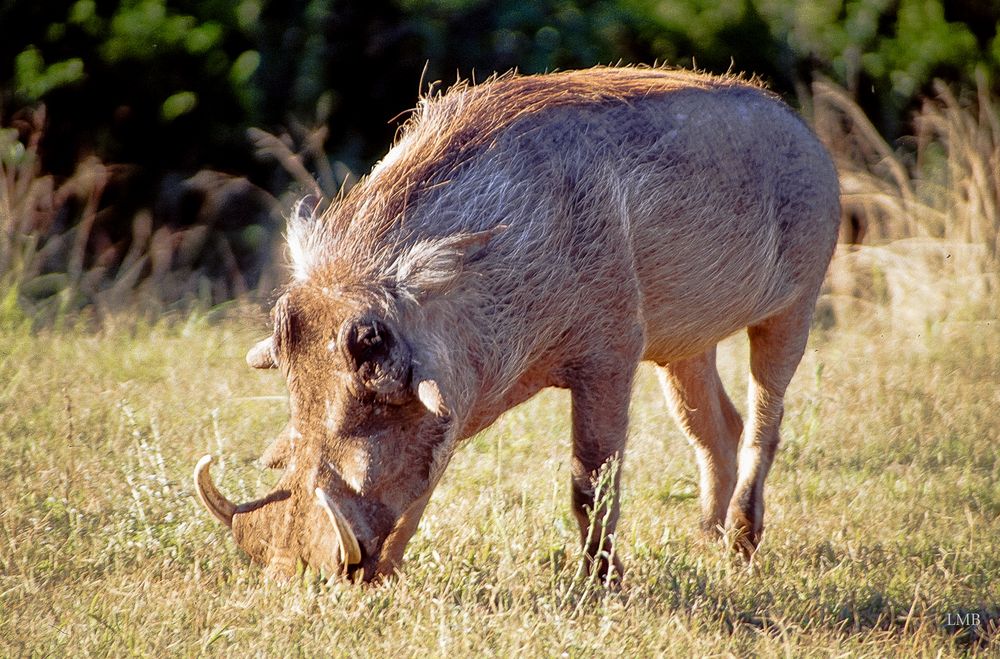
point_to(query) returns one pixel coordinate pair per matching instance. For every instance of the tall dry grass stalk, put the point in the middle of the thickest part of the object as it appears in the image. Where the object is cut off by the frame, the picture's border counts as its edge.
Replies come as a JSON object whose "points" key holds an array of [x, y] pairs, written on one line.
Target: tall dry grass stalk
{"points": [[930, 210], [62, 248]]}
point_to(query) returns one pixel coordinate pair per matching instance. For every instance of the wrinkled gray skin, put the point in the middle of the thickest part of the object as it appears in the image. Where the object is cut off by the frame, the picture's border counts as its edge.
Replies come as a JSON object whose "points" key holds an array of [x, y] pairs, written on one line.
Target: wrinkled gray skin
{"points": [[531, 232]]}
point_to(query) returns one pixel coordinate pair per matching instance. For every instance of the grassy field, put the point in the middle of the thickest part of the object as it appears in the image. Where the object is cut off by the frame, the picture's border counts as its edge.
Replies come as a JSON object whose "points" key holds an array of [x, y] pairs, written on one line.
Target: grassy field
{"points": [[883, 512]]}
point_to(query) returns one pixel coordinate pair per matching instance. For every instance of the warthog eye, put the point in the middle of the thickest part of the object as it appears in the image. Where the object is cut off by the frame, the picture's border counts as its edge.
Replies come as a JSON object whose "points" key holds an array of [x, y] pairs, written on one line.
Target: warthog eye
{"points": [[381, 360], [366, 342]]}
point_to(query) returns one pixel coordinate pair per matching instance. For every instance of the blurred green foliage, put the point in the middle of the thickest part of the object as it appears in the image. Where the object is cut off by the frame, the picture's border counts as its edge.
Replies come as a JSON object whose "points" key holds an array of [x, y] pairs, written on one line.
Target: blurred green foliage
{"points": [[174, 84], [156, 83]]}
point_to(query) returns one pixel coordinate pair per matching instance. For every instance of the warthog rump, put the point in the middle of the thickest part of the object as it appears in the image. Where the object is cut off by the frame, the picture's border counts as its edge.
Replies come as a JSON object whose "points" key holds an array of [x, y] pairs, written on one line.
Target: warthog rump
{"points": [[528, 232]]}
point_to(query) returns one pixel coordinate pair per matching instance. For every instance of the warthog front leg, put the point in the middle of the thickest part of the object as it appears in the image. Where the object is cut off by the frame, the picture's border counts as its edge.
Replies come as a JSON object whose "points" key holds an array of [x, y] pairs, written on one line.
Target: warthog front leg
{"points": [[712, 425], [776, 347], [600, 395]]}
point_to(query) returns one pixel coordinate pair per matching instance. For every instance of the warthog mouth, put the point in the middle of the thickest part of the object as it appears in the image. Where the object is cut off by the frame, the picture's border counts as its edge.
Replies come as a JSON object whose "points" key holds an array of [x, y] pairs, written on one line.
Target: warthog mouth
{"points": [[285, 527]]}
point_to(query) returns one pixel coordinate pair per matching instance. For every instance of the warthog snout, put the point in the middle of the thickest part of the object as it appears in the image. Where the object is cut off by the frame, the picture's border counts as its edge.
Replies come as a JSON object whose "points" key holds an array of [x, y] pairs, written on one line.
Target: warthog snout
{"points": [[286, 526]]}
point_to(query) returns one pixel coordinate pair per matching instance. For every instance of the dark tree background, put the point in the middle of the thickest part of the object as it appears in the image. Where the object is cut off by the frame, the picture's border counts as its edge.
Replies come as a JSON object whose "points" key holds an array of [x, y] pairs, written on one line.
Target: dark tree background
{"points": [[174, 84], [168, 88]]}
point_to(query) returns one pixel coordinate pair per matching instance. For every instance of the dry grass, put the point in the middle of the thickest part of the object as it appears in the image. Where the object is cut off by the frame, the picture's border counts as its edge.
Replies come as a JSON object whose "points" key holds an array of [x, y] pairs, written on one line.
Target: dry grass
{"points": [[884, 514], [883, 508], [61, 248], [931, 209]]}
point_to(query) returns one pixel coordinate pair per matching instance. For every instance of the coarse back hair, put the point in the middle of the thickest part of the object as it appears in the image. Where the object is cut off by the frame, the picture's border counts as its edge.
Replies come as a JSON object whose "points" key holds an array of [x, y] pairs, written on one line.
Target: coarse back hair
{"points": [[358, 239]]}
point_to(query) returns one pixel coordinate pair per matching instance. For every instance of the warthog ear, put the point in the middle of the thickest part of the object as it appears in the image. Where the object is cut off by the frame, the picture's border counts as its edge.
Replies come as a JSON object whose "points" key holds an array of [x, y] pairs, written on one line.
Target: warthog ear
{"points": [[380, 358], [433, 266], [262, 354]]}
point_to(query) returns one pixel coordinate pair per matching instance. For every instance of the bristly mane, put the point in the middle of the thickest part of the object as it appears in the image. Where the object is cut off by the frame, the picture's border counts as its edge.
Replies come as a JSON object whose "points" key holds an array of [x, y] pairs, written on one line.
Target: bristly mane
{"points": [[355, 236]]}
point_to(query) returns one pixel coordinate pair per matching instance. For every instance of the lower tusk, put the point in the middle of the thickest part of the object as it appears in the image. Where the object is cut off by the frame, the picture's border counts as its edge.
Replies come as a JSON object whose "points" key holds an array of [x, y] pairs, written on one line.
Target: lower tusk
{"points": [[350, 550], [211, 498]]}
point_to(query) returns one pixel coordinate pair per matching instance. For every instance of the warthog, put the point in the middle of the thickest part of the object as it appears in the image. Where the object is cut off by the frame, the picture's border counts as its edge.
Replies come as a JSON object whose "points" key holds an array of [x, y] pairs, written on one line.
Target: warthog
{"points": [[529, 232]]}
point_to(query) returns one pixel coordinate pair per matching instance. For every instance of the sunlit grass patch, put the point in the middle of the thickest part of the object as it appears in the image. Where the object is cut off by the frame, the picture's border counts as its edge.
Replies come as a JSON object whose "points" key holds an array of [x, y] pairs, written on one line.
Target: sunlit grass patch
{"points": [[883, 514]]}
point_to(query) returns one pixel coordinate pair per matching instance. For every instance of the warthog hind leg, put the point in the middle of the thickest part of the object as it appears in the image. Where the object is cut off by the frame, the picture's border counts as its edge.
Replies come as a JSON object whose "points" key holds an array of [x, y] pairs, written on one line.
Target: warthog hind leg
{"points": [[776, 347], [712, 425]]}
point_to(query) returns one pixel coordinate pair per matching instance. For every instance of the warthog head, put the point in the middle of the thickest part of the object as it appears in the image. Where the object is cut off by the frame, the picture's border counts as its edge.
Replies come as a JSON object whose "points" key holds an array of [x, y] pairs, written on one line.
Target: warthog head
{"points": [[369, 435]]}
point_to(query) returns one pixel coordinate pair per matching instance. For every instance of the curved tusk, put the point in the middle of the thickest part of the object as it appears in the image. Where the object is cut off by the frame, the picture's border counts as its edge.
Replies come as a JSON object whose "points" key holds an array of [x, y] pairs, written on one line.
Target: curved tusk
{"points": [[350, 550], [211, 498]]}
